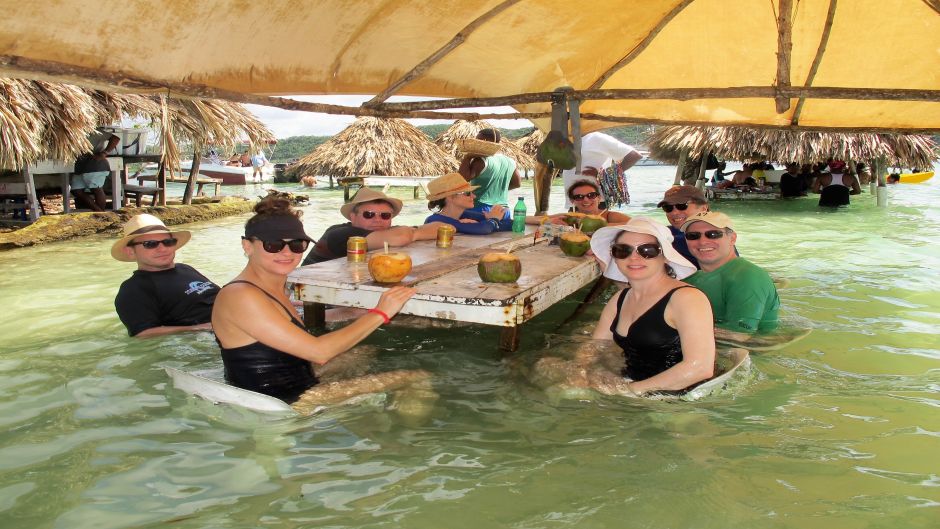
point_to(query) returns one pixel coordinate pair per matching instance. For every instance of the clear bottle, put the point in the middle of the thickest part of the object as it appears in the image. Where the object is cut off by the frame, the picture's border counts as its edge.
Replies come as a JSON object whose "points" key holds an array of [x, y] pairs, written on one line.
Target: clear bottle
{"points": [[518, 216]]}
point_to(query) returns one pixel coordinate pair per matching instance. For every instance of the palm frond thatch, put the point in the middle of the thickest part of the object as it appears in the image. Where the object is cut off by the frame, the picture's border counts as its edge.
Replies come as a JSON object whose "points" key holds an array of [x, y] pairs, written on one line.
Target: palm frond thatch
{"points": [[376, 146], [531, 141], [469, 129], [740, 143], [41, 120]]}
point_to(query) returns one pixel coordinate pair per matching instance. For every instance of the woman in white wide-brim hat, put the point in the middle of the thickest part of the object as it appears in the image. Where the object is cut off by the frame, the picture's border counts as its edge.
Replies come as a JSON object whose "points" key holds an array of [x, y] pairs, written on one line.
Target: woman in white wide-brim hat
{"points": [[663, 325], [452, 196]]}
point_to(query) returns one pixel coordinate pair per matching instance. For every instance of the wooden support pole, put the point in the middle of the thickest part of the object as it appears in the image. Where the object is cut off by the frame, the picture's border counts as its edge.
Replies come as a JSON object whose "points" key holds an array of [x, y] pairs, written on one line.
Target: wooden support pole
{"points": [[314, 315], [817, 60], [784, 46], [683, 159]]}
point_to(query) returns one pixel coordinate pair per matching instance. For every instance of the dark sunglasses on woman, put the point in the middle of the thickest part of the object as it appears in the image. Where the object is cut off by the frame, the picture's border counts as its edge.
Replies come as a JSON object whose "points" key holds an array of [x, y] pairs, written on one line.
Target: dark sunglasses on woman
{"points": [[295, 245], [710, 234], [592, 195], [150, 245], [681, 207], [385, 215], [646, 251]]}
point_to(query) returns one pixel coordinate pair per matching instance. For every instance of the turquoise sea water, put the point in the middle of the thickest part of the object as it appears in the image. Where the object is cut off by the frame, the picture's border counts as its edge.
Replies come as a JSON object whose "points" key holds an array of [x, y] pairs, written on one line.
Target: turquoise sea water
{"points": [[839, 430]]}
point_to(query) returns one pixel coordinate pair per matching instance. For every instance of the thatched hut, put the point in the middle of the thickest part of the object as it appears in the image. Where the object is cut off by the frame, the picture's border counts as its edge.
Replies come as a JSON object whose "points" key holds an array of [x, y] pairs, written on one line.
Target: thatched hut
{"points": [[531, 141], [41, 120], [469, 129], [740, 143], [376, 146]]}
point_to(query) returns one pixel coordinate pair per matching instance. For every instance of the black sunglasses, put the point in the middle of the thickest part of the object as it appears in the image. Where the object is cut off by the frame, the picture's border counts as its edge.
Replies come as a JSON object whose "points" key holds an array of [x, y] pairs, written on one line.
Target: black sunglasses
{"points": [[646, 251], [592, 195], [150, 245], [295, 245], [681, 207], [710, 234], [385, 215], [464, 193]]}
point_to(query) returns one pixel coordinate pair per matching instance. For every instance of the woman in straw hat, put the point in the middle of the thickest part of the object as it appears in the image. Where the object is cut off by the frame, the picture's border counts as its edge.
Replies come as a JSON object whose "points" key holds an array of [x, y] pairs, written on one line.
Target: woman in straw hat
{"points": [[264, 345], [452, 197], [663, 325]]}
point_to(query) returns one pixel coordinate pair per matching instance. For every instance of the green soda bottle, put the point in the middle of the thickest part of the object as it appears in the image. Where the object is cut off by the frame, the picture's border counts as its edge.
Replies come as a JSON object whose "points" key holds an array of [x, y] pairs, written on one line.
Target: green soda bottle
{"points": [[518, 216]]}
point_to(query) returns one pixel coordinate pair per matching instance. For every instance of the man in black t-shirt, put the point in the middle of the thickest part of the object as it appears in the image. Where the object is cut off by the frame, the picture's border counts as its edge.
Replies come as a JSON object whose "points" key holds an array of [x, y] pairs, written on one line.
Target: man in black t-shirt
{"points": [[370, 215], [161, 297]]}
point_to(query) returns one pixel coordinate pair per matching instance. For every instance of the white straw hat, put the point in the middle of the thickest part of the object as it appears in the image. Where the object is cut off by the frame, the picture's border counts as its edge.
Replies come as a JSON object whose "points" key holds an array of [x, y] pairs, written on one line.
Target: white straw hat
{"points": [[604, 237], [144, 224]]}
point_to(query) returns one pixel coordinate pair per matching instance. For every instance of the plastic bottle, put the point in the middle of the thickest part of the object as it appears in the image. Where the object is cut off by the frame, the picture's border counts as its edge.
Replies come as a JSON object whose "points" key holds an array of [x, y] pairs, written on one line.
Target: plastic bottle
{"points": [[518, 216]]}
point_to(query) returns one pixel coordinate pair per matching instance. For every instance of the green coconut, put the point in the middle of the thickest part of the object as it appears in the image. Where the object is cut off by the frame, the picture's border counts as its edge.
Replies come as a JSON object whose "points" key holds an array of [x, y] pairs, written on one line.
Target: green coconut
{"points": [[499, 268], [586, 223], [574, 244]]}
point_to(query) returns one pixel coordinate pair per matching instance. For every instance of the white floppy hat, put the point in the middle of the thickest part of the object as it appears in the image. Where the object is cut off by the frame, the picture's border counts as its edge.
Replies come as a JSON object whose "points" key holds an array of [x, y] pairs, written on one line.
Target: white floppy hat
{"points": [[144, 224], [604, 237]]}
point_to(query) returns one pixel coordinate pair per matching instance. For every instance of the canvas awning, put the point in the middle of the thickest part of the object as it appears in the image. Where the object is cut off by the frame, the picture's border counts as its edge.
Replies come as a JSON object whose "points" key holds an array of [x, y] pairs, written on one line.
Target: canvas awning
{"points": [[858, 64]]}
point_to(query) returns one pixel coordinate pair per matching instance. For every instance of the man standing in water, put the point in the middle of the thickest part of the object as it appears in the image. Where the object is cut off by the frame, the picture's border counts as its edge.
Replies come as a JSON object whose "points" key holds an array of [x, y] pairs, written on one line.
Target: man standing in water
{"points": [[743, 296], [599, 151], [370, 215], [493, 175], [681, 203], [161, 297]]}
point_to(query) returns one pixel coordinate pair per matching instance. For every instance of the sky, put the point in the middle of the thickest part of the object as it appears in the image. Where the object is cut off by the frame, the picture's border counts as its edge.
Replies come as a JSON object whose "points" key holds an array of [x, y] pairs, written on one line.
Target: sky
{"points": [[287, 123]]}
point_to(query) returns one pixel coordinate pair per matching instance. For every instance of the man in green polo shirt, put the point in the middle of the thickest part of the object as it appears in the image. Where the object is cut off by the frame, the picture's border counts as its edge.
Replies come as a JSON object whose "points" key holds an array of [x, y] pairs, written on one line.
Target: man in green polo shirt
{"points": [[742, 295]]}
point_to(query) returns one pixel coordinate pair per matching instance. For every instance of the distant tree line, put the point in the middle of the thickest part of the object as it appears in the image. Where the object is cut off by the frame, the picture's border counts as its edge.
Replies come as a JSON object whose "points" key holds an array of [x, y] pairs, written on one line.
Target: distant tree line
{"points": [[296, 147]]}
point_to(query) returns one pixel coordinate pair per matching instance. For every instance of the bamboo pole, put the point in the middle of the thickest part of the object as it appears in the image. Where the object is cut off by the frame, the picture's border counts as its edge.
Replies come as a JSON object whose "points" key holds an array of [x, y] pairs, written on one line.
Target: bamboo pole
{"points": [[817, 60], [784, 46], [700, 178], [193, 171], [683, 159]]}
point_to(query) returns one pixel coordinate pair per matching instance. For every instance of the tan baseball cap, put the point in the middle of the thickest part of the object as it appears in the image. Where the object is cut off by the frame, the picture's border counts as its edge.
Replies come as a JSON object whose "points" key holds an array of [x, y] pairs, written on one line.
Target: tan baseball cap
{"points": [[716, 219]]}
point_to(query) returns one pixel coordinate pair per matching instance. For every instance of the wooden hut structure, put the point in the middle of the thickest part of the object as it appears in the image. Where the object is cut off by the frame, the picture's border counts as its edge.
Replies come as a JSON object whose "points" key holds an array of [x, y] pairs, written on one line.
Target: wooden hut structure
{"points": [[51, 121], [469, 129], [531, 141]]}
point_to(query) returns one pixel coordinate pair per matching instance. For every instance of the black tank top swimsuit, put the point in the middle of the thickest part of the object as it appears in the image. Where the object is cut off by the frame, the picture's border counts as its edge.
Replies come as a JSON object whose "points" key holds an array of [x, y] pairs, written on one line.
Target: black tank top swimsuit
{"points": [[261, 368], [651, 346]]}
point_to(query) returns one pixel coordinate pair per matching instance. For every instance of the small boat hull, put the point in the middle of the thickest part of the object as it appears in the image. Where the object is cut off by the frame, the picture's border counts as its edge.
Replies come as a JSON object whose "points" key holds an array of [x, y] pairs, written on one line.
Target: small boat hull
{"points": [[915, 178]]}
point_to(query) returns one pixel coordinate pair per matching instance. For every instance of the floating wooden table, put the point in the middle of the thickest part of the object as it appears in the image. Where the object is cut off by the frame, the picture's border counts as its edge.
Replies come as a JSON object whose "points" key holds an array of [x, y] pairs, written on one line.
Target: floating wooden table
{"points": [[448, 286]]}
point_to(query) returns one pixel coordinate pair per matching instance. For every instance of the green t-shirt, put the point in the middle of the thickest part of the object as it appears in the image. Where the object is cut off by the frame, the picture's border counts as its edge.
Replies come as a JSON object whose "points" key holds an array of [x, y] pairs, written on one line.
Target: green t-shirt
{"points": [[494, 181], [742, 295]]}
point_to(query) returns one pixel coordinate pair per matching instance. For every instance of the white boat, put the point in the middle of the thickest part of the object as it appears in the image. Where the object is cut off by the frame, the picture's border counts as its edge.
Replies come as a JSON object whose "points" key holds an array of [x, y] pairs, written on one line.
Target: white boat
{"points": [[230, 174]]}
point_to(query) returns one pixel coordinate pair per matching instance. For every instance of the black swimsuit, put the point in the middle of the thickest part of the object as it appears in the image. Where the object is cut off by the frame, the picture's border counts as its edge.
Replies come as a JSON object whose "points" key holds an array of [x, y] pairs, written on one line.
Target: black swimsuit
{"points": [[651, 346], [259, 367]]}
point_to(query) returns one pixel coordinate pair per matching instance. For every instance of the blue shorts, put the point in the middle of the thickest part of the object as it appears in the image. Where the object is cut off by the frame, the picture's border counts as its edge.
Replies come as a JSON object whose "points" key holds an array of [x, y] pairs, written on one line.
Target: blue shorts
{"points": [[88, 181]]}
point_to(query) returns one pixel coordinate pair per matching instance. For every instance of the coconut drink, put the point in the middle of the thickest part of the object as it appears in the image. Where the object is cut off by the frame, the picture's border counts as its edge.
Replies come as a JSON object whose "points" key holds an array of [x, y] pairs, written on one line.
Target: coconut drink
{"points": [[586, 223], [389, 267], [574, 243], [499, 268]]}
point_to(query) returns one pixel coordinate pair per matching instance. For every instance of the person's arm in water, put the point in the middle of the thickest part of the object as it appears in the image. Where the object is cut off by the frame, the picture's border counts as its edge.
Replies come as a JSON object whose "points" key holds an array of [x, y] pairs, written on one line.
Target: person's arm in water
{"points": [[244, 310], [172, 329], [856, 189]]}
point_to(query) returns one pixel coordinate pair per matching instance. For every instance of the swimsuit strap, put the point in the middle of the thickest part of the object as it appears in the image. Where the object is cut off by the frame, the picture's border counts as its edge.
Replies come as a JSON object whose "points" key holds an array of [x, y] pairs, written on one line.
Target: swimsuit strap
{"points": [[623, 296], [266, 293]]}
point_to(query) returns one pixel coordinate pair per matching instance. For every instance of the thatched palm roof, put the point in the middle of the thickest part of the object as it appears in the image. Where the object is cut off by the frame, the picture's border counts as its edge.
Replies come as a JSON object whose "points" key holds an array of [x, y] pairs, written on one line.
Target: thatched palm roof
{"points": [[376, 146], [469, 129], [531, 141], [740, 143], [40, 120]]}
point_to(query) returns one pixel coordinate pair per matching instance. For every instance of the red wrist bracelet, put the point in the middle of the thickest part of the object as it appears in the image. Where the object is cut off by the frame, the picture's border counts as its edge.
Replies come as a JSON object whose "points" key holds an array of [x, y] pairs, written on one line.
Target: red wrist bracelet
{"points": [[384, 316]]}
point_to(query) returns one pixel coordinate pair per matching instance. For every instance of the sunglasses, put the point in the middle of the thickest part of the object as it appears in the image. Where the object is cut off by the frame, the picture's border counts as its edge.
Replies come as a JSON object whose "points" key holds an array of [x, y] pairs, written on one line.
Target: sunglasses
{"points": [[710, 234], [385, 215], [669, 207], [646, 251], [150, 245], [464, 193], [592, 195], [295, 245]]}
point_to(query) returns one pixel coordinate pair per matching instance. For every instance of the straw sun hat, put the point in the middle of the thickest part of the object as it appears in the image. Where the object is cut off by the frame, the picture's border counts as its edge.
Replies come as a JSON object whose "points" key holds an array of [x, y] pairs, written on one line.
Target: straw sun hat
{"points": [[447, 185], [368, 195], [144, 224], [477, 147], [604, 237]]}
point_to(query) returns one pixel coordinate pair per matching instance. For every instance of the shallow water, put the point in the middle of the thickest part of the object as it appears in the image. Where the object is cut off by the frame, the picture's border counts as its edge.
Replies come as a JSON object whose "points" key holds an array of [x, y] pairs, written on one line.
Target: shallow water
{"points": [[841, 428]]}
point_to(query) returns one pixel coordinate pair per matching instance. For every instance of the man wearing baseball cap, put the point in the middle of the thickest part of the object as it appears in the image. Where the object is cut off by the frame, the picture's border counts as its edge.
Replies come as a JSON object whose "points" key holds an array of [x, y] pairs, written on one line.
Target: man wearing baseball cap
{"points": [[742, 295], [161, 297], [680, 203], [370, 215]]}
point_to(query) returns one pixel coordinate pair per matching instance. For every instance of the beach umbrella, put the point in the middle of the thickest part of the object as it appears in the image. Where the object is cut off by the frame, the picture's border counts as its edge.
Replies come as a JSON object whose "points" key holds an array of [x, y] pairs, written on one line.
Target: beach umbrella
{"points": [[375, 146], [461, 129], [847, 64]]}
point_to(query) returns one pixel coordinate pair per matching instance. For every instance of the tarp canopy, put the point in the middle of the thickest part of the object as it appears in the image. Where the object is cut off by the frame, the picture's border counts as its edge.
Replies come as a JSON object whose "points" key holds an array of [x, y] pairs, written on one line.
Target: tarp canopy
{"points": [[856, 64]]}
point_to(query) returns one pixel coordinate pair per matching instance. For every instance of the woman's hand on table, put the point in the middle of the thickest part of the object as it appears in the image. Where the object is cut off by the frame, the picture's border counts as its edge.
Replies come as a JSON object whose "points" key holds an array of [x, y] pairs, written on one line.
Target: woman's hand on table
{"points": [[393, 299]]}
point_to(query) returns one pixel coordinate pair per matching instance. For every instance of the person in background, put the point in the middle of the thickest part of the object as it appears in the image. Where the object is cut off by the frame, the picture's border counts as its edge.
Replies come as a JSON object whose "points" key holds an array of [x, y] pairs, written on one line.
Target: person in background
{"points": [[680, 203], [263, 343], [598, 151], [91, 170], [258, 161], [864, 173], [586, 197], [894, 178], [452, 197], [835, 186], [662, 325], [162, 296], [742, 295], [792, 182], [370, 215], [493, 175]]}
